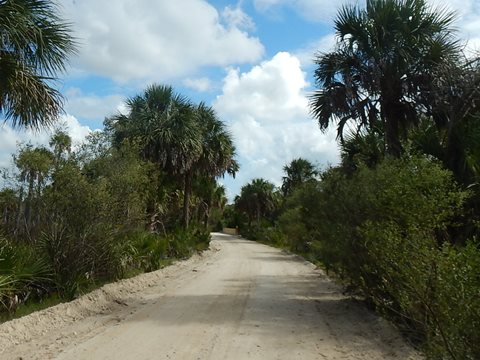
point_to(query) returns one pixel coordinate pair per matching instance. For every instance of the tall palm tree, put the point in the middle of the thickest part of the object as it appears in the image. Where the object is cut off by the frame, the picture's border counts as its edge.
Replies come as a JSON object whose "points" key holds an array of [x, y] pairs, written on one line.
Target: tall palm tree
{"points": [[164, 124], [297, 172], [217, 154], [34, 165], [386, 54], [256, 199], [453, 103], [61, 143], [185, 140], [34, 46]]}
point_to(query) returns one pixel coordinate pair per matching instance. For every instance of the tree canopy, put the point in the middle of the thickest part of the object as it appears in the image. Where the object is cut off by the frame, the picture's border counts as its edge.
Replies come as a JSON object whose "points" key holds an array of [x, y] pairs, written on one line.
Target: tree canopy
{"points": [[386, 56], [35, 44]]}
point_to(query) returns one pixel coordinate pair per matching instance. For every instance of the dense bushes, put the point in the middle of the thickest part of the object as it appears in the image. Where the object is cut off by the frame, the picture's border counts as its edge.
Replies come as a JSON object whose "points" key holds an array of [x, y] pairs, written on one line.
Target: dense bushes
{"points": [[72, 221], [385, 231], [66, 266]]}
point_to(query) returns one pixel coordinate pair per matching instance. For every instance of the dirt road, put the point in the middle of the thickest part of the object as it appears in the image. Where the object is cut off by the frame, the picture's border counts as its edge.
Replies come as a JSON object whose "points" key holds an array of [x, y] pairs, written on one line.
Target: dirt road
{"points": [[242, 300]]}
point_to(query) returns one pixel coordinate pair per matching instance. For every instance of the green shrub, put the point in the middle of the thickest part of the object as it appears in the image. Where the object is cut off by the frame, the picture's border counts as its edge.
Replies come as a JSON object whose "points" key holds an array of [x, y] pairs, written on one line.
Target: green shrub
{"points": [[23, 274], [183, 243], [78, 262], [455, 321], [147, 250]]}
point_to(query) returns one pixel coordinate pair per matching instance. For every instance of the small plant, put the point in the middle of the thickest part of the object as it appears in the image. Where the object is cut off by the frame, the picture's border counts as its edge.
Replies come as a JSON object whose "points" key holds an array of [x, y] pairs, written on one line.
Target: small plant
{"points": [[23, 274]]}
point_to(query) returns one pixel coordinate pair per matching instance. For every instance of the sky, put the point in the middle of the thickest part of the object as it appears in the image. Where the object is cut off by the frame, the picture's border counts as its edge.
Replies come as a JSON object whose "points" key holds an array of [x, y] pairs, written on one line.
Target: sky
{"points": [[252, 60]]}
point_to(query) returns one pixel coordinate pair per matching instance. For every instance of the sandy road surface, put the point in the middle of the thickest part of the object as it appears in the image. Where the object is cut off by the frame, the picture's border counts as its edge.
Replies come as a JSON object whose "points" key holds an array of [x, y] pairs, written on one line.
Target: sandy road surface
{"points": [[242, 300]]}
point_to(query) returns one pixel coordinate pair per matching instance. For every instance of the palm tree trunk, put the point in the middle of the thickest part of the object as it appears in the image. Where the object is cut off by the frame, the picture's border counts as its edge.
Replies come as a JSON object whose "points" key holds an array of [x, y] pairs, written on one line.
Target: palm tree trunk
{"points": [[28, 204], [392, 129], [187, 189]]}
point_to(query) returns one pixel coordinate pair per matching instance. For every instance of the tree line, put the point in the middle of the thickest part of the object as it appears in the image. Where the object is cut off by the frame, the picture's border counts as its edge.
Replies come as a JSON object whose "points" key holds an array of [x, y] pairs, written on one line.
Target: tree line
{"points": [[140, 192], [397, 220]]}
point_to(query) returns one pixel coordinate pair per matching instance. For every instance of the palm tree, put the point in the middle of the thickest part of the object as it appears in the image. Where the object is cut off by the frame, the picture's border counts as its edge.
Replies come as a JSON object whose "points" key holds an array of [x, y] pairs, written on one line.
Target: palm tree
{"points": [[164, 124], [61, 143], [256, 199], [34, 46], [297, 172], [210, 195], [217, 153], [385, 56], [361, 148], [34, 165], [453, 104], [185, 140]]}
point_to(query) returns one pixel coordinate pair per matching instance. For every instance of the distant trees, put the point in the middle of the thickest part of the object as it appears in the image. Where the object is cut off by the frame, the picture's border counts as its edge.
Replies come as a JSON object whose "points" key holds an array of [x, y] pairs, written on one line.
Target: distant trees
{"points": [[34, 47], [257, 199]]}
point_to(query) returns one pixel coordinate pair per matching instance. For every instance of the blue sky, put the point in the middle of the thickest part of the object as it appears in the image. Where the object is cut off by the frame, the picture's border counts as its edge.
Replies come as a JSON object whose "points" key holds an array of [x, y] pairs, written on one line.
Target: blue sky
{"points": [[251, 60]]}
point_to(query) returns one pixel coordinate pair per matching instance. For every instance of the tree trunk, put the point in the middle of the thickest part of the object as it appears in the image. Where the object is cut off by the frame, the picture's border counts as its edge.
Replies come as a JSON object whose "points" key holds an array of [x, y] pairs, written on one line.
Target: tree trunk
{"points": [[392, 129], [28, 204], [187, 189]]}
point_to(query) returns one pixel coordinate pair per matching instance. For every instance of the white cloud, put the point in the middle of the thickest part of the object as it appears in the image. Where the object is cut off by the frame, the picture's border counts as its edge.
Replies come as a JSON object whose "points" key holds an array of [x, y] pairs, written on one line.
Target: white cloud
{"points": [[267, 111], [237, 18], [270, 91], [306, 55], [468, 20], [158, 40], [92, 107], [10, 138], [199, 84]]}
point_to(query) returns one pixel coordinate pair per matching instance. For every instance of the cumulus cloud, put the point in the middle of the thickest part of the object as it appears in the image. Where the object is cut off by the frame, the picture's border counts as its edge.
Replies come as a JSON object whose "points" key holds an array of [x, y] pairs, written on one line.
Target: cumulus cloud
{"points": [[92, 107], [236, 17], [10, 138], [468, 20], [267, 111], [306, 55], [158, 40], [202, 84]]}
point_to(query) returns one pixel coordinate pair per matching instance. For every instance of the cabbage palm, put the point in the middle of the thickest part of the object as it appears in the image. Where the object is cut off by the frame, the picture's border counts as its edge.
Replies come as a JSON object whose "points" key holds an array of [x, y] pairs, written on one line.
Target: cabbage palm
{"points": [[187, 141], [297, 172], [34, 46], [256, 199], [217, 155], [218, 150], [385, 56], [357, 148], [61, 143], [164, 124]]}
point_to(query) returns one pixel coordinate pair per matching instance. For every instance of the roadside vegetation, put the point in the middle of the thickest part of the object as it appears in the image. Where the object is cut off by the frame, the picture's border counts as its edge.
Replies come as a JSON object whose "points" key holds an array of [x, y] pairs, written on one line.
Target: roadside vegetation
{"points": [[75, 218], [397, 220], [130, 199]]}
